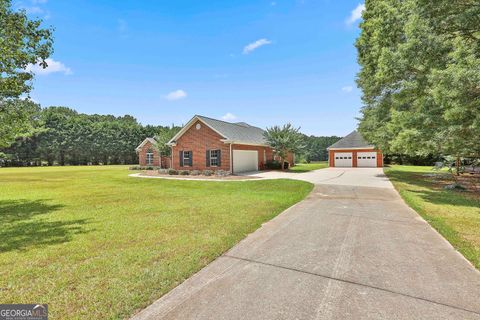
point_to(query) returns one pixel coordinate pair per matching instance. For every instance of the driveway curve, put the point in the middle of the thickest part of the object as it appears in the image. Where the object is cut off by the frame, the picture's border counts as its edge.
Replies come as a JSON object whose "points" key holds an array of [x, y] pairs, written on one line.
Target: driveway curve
{"points": [[351, 250]]}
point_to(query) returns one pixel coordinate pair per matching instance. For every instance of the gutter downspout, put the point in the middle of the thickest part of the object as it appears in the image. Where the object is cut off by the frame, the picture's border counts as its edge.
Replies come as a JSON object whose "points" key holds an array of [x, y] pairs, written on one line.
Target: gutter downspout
{"points": [[231, 159]]}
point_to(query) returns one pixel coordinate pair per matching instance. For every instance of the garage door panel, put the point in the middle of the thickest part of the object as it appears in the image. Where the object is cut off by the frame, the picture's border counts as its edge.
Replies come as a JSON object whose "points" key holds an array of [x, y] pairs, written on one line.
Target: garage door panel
{"points": [[366, 159], [245, 161], [343, 159]]}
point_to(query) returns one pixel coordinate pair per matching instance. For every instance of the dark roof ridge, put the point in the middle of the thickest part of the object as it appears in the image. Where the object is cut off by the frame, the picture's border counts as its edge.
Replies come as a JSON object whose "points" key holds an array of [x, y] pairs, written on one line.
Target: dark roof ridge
{"points": [[233, 123]]}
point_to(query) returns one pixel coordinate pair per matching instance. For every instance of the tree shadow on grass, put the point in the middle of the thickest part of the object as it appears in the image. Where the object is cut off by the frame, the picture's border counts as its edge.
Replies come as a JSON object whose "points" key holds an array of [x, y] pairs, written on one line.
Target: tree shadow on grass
{"points": [[447, 197], [436, 193], [20, 230]]}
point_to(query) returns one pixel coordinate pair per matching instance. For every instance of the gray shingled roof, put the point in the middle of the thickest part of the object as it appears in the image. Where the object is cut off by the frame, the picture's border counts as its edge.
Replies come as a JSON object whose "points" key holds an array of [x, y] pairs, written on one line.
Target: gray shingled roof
{"points": [[240, 132], [352, 140]]}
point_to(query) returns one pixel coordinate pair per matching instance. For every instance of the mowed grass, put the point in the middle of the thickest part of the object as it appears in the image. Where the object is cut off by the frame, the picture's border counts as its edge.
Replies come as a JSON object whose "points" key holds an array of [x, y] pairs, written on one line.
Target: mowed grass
{"points": [[305, 167], [94, 243], [454, 214]]}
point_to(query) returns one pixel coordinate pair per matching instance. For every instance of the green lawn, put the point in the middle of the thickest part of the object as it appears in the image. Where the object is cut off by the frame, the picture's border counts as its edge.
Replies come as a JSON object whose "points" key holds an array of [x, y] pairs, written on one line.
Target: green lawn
{"points": [[305, 167], [456, 215], [94, 243]]}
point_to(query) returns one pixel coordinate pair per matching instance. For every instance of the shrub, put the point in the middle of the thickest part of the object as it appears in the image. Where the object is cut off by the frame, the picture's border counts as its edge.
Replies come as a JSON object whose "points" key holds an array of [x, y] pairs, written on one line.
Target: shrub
{"points": [[455, 186], [222, 173], [172, 172], [184, 172], [195, 172], [207, 172], [143, 168], [273, 165]]}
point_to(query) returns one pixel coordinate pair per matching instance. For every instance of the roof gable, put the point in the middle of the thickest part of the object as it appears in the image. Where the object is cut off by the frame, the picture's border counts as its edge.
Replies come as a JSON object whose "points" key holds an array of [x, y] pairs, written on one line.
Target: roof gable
{"points": [[140, 146], [240, 133], [353, 140]]}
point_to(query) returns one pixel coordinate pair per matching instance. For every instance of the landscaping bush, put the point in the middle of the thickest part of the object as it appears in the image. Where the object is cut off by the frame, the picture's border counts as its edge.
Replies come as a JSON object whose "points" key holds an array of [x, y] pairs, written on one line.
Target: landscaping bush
{"points": [[143, 168], [222, 173], [273, 165], [184, 172], [207, 172], [172, 172], [195, 172]]}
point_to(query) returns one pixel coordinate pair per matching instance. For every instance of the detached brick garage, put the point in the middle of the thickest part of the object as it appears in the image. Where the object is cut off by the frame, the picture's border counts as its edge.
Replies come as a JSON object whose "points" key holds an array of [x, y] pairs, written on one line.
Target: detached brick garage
{"points": [[354, 151]]}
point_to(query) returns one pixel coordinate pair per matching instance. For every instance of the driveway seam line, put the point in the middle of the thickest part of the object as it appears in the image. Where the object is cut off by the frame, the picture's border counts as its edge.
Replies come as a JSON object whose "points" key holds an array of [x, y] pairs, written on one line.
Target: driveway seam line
{"points": [[420, 223], [352, 282]]}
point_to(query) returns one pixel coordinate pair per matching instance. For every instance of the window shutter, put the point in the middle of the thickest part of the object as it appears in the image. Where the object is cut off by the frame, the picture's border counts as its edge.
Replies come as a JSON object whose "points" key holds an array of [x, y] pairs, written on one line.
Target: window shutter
{"points": [[191, 158], [208, 159], [181, 158], [219, 158]]}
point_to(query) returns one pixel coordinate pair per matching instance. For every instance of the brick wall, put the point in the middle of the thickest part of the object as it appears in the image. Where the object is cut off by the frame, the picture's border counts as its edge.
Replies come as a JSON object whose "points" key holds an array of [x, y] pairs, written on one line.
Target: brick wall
{"points": [[142, 155], [199, 141]]}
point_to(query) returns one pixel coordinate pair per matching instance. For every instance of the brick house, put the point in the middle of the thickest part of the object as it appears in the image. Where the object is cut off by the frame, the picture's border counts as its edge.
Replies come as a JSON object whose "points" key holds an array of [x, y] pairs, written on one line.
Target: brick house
{"points": [[354, 151], [209, 144], [148, 155]]}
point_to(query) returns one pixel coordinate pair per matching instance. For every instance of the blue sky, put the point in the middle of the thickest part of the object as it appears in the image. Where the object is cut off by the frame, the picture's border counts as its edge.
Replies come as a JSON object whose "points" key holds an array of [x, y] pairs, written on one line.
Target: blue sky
{"points": [[262, 62]]}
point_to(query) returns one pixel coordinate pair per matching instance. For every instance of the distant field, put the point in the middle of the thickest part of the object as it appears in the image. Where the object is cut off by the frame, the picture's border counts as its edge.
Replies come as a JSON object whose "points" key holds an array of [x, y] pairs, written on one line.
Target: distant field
{"points": [[455, 214], [94, 243], [304, 167]]}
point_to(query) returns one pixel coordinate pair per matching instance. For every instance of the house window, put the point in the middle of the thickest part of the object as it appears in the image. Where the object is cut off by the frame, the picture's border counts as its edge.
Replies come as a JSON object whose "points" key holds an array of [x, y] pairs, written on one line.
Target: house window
{"points": [[187, 158], [149, 157], [214, 158]]}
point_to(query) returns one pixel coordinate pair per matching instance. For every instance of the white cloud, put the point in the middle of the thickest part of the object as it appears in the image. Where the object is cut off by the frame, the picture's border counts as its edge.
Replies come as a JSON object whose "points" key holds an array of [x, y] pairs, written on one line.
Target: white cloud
{"points": [[33, 7], [356, 14], [229, 117], [347, 89], [176, 95], [53, 67], [255, 45]]}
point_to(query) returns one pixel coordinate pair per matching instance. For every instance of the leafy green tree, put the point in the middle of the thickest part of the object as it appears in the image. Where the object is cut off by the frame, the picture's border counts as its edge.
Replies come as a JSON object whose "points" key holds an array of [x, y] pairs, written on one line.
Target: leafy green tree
{"points": [[420, 76], [162, 138], [284, 140], [22, 42], [18, 118], [316, 147]]}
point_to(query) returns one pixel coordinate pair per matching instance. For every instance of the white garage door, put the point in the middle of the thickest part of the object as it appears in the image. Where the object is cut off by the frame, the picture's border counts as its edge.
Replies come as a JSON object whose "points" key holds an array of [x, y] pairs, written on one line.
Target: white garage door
{"points": [[366, 159], [245, 161], [343, 159]]}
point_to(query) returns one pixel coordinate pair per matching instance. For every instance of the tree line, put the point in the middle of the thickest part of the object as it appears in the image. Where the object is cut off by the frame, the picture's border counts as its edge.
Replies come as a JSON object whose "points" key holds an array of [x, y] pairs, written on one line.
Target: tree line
{"points": [[65, 137], [420, 77]]}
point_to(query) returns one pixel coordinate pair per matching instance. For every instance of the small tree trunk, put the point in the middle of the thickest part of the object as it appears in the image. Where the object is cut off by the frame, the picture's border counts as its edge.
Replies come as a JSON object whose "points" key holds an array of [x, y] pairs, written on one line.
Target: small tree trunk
{"points": [[457, 165]]}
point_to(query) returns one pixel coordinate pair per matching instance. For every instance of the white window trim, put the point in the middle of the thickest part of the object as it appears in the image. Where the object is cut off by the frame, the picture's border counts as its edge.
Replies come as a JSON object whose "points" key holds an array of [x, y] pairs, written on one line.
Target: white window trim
{"points": [[149, 158], [188, 158], [216, 157]]}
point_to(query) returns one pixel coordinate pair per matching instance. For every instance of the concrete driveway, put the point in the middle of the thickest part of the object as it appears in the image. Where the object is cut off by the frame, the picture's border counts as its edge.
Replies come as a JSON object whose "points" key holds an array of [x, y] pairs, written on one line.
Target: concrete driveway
{"points": [[351, 250]]}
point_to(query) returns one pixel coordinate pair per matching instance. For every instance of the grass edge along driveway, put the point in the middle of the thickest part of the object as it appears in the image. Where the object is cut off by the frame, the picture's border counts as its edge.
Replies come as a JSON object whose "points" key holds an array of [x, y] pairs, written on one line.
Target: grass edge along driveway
{"points": [[305, 167], [94, 243], [455, 215]]}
